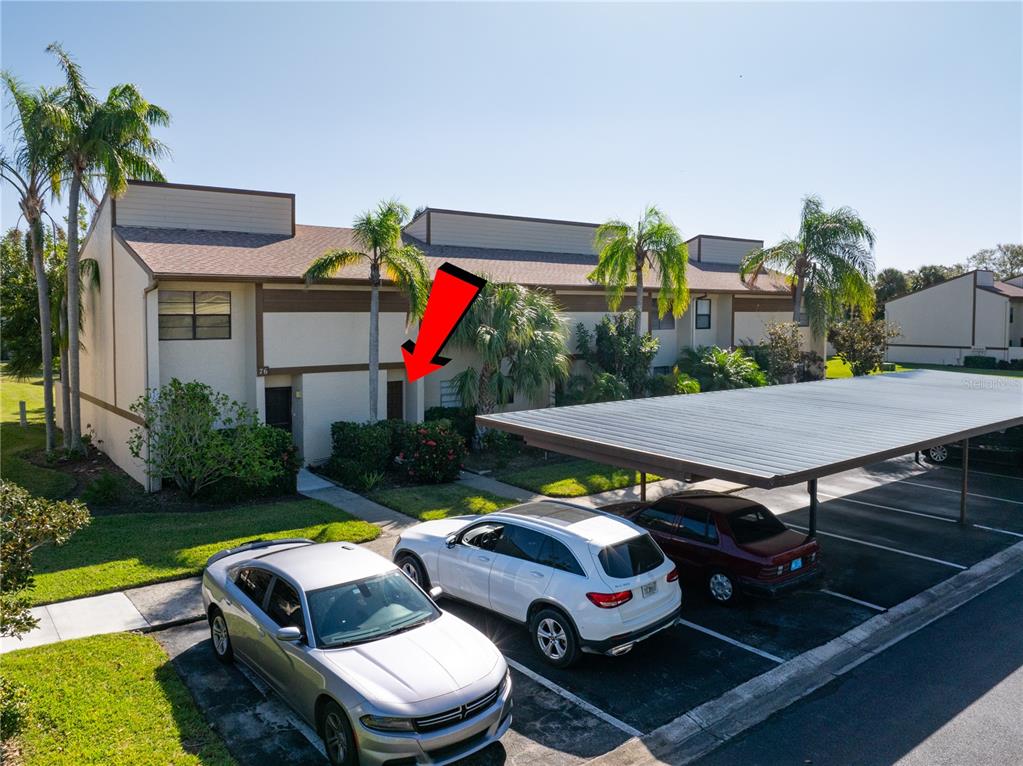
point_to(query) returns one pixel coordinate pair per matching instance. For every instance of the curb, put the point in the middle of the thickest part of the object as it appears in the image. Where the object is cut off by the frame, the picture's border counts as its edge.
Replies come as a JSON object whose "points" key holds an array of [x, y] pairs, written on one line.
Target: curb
{"points": [[157, 627], [709, 725]]}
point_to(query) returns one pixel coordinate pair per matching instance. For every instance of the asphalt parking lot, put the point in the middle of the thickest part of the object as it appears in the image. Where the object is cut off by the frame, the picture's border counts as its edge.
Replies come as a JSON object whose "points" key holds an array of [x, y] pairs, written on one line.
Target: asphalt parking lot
{"points": [[887, 532]]}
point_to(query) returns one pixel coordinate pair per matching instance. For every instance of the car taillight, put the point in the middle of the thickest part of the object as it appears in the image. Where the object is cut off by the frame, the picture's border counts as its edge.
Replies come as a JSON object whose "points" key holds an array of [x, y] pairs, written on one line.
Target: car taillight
{"points": [[673, 575], [609, 600]]}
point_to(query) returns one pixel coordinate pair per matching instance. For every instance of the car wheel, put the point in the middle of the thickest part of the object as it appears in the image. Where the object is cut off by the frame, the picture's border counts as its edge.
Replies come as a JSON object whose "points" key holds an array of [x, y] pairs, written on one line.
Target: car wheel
{"points": [[220, 637], [938, 454], [722, 588], [554, 638], [411, 566], [337, 736]]}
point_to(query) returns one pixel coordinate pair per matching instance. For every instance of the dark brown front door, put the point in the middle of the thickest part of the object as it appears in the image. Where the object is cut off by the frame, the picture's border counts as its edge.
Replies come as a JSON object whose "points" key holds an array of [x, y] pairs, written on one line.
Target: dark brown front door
{"points": [[278, 407], [395, 400]]}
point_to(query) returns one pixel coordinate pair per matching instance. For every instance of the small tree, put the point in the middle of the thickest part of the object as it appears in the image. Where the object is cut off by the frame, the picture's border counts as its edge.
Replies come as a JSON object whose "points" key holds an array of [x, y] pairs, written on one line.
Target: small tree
{"points": [[862, 344], [616, 349], [27, 522], [783, 351], [717, 369], [197, 437]]}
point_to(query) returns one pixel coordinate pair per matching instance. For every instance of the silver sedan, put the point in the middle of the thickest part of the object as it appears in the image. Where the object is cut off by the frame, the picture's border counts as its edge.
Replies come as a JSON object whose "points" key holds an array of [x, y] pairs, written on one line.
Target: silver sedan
{"points": [[358, 650]]}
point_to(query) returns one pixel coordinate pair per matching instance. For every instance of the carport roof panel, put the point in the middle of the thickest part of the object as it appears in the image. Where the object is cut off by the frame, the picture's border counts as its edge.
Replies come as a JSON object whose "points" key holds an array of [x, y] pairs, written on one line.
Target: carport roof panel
{"points": [[777, 435]]}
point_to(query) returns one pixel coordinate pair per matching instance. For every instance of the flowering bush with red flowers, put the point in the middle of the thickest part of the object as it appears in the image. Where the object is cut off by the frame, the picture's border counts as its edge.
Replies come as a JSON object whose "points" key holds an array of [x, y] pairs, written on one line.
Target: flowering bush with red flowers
{"points": [[431, 453]]}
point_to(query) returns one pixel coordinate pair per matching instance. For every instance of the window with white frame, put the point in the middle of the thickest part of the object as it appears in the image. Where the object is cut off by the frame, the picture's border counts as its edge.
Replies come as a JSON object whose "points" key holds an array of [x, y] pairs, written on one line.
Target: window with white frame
{"points": [[703, 313]]}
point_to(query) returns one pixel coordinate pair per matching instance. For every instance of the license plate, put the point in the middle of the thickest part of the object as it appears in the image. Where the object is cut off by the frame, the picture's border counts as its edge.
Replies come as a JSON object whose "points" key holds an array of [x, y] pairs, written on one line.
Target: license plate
{"points": [[649, 589], [796, 564]]}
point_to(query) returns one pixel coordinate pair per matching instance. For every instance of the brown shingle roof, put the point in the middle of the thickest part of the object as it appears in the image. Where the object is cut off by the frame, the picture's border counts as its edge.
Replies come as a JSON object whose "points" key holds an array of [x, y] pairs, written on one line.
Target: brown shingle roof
{"points": [[227, 254], [1008, 290]]}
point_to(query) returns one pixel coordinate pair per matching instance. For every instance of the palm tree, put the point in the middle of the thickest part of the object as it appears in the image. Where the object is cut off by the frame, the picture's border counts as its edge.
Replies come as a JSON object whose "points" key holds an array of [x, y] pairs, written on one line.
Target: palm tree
{"points": [[518, 335], [113, 140], [378, 233], [33, 171], [627, 252], [831, 264]]}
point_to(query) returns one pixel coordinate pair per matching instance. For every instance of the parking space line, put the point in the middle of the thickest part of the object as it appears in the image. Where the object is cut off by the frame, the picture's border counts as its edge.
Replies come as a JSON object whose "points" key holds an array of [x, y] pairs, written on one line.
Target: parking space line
{"points": [[890, 508], [956, 491], [732, 641], [566, 694], [855, 600], [883, 547], [1000, 531], [981, 473]]}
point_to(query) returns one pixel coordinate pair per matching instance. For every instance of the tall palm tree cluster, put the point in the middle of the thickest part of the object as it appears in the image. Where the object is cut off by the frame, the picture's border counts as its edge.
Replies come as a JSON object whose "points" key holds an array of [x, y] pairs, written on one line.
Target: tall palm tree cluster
{"points": [[68, 138]]}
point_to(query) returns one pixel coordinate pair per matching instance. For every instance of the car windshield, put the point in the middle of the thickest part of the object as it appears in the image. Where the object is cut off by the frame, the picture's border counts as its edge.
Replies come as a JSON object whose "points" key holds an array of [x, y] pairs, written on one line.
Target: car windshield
{"points": [[751, 525], [367, 610], [631, 557]]}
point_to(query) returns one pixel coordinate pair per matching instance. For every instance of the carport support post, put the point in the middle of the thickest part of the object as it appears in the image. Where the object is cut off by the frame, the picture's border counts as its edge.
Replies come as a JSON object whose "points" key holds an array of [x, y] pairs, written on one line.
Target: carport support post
{"points": [[966, 473], [642, 486], [811, 487]]}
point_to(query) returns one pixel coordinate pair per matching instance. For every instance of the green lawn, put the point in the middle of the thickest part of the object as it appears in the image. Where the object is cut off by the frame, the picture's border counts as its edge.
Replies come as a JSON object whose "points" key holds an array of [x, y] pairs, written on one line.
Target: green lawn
{"points": [[839, 369], [571, 478], [15, 440], [126, 550], [438, 501], [113, 700]]}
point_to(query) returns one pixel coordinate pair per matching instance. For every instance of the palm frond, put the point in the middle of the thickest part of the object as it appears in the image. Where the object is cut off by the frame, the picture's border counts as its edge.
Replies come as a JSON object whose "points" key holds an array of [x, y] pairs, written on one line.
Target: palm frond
{"points": [[406, 267], [330, 263]]}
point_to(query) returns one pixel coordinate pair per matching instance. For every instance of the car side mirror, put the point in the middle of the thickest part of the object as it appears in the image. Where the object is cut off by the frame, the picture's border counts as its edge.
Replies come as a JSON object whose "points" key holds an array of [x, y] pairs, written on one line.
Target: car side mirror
{"points": [[450, 541], [289, 633], [436, 592]]}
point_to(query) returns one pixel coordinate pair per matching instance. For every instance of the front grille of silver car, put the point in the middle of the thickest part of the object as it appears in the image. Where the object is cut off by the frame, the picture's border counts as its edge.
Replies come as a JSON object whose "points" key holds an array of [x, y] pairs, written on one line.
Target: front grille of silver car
{"points": [[458, 714]]}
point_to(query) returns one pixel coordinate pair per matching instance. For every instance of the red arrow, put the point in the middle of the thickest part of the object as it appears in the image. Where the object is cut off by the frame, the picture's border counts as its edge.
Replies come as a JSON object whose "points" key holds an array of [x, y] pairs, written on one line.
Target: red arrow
{"points": [[453, 291]]}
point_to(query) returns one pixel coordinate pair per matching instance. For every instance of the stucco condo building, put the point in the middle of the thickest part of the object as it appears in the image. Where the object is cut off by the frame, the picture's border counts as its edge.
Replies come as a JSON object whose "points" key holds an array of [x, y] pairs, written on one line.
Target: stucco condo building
{"points": [[205, 283], [971, 315]]}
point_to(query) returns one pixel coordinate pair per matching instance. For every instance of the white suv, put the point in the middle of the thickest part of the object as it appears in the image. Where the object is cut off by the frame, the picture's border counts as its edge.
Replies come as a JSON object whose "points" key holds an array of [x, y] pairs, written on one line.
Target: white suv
{"points": [[580, 579]]}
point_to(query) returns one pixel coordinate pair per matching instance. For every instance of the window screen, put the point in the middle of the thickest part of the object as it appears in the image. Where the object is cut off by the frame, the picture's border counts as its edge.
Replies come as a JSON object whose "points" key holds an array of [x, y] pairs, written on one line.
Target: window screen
{"points": [[666, 322], [195, 315], [449, 394]]}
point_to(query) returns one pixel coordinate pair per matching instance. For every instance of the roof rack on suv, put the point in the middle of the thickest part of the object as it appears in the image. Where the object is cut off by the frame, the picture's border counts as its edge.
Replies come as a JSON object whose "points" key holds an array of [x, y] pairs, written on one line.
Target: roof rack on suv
{"points": [[255, 545]]}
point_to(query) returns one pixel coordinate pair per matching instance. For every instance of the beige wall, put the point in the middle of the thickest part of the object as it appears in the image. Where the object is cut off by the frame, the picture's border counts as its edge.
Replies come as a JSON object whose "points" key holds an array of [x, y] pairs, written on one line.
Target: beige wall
{"points": [[229, 366], [992, 320], [328, 397], [175, 208], [315, 338], [716, 250], [114, 326], [938, 316], [509, 234]]}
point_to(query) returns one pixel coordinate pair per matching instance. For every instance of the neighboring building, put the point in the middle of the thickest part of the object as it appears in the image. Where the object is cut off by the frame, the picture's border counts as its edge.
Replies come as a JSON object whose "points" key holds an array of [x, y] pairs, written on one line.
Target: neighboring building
{"points": [[206, 283], [973, 314]]}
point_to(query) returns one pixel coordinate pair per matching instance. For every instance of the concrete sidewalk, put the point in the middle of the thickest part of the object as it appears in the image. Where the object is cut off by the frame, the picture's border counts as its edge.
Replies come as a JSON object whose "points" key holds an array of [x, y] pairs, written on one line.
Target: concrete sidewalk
{"points": [[146, 608]]}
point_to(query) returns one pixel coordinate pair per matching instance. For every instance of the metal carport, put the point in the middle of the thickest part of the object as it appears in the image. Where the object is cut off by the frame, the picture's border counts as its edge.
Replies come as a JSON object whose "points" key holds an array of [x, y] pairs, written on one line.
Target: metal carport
{"points": [[779, 435]]}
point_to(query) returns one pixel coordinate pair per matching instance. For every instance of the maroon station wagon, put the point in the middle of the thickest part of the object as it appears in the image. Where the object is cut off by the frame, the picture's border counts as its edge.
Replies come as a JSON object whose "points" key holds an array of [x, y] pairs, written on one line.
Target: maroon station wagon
{"points": [[730, 543]]}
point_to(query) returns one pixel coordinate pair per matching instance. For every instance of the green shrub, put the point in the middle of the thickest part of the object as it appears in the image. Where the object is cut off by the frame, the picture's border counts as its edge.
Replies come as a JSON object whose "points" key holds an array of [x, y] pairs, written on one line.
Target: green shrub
{"points": [[862, 344], [196, 437], [980, 362], [1016, 364], [433, 455], [104, 490], [27, 522], [716, 369], [370, 444], [13, 708], [812, 366], [674, 382], [462, 419], [281, 479]]}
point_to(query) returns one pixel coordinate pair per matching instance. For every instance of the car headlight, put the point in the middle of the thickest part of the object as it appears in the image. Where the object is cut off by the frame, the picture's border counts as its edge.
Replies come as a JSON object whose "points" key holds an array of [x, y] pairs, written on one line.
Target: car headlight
{"points": [[386, 723], [504, 682]]}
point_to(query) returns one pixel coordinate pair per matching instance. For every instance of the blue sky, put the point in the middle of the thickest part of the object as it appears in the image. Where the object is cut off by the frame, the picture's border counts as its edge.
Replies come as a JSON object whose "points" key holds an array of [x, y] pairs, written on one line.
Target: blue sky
{"points": [[724, 115]]}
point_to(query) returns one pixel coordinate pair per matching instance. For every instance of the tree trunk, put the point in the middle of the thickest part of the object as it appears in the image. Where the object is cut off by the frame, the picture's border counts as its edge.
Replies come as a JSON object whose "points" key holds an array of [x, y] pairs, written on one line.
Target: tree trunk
{"points": [[485, 403], [45, 329], [73, 305], [374, 338], [797, 299], [639, 294], [65, 392]]}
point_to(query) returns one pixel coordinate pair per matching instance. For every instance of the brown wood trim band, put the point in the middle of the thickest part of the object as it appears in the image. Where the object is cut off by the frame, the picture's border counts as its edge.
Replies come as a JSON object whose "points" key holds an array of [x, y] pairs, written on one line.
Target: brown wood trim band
{"points": [[926, 345], [317, 368], [198, 187], [111, 408], [278, 301], [762, 304]]}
